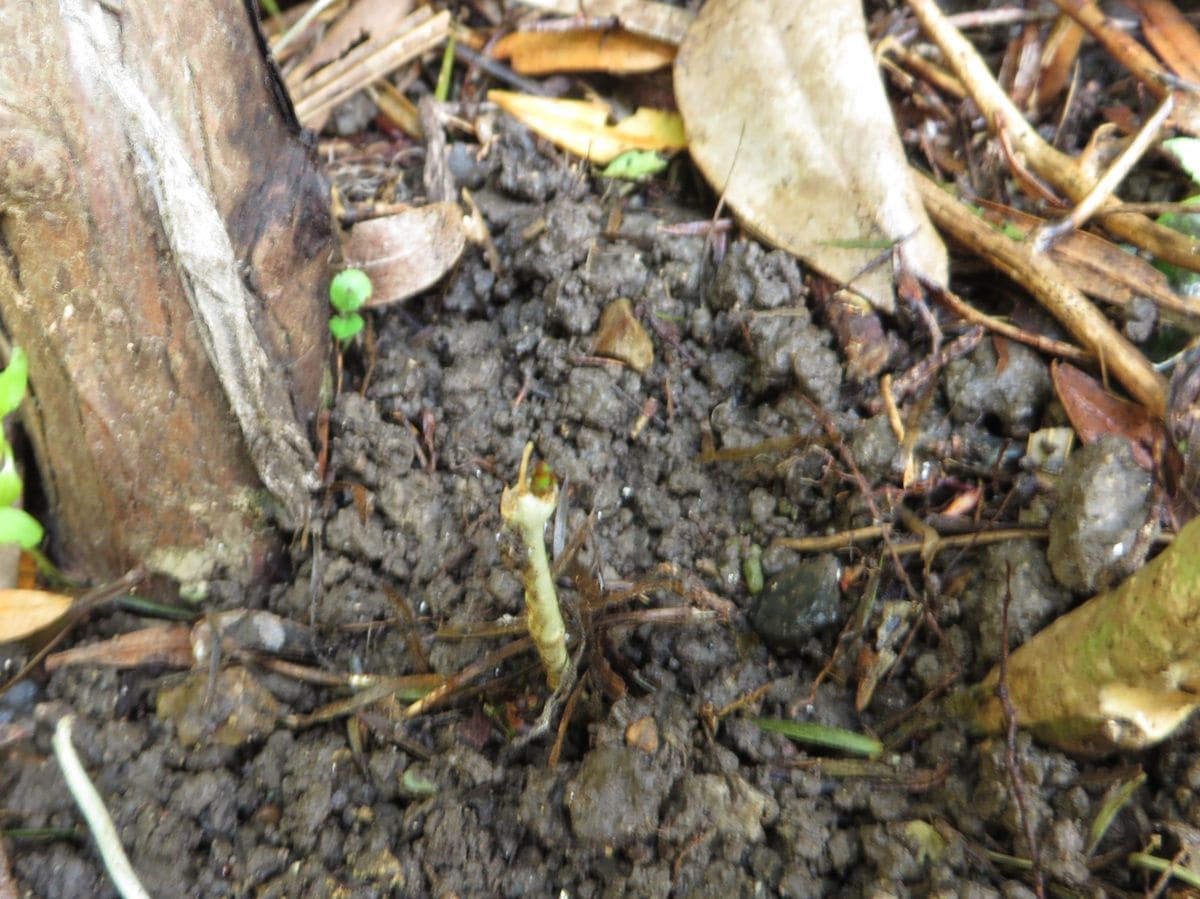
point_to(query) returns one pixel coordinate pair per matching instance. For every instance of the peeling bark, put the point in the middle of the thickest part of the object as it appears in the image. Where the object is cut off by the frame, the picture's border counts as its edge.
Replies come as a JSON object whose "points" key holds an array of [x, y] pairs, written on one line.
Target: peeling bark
{"points": [[164, 235]]}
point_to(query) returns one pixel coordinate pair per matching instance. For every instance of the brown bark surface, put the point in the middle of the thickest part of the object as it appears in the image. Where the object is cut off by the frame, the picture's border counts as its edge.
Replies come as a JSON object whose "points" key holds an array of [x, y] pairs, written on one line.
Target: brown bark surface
{"points": [[153, 185]]}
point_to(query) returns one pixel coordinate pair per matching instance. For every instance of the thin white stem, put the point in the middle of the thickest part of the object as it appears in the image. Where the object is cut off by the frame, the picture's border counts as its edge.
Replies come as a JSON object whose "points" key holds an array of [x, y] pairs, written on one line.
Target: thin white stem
{"points": [[123, 876]]}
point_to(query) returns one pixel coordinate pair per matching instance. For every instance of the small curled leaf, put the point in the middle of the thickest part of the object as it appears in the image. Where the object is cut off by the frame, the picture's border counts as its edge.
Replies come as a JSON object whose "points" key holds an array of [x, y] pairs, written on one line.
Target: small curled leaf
{"points": [[541, 482], [13, 381], [344, 327], [350, 289]]}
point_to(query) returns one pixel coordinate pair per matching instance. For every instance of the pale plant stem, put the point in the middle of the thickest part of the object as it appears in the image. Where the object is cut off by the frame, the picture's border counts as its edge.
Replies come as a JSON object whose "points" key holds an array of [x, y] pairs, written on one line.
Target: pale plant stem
{"points": [[123, 876]]}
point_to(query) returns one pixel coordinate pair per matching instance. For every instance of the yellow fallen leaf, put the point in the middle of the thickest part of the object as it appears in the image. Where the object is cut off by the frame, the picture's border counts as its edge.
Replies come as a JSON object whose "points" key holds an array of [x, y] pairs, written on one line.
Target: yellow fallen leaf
{"points": [[581, 126], [586, 50], [25, 612]]}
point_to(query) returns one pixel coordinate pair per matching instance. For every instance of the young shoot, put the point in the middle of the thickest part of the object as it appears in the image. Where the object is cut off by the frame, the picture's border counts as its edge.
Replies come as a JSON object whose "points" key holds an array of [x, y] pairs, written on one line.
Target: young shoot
{"points": [[348, 292], [526, 508]]}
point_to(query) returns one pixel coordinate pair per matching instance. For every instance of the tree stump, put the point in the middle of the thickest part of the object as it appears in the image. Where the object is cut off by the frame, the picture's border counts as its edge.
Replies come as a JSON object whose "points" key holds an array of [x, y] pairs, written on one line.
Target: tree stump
{"points": [[164, 238]]}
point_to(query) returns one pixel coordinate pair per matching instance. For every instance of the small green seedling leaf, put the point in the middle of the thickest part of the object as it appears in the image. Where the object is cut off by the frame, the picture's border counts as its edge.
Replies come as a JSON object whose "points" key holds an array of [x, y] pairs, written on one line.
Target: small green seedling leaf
{"points": [[831, 737], [1186, 151], [350, 289], [634, 165], [542, 481], [10, 479], [344, 327], [18, 526], [13, 381]]}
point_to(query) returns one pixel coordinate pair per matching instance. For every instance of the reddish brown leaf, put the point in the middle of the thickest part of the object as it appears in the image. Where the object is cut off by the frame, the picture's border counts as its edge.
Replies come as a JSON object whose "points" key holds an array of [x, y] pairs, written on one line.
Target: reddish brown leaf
{"points": [[1171, 35], [1094, 412]]}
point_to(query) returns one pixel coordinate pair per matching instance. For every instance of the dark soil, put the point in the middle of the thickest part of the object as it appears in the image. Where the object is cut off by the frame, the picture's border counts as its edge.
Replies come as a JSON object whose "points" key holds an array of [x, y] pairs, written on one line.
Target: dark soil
{"points": [[654, 792]]}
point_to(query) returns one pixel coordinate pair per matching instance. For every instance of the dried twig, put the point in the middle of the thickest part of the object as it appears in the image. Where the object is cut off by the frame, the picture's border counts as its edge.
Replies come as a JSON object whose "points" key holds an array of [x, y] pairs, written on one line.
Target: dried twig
{"points": [[1042, 278], [1103, 189], [964, 309], [1055, 166], [846, 539]]}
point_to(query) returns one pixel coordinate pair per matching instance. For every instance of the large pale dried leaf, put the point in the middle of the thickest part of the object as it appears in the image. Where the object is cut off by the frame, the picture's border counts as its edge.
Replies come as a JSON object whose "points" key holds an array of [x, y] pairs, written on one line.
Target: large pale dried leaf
{"points": [[406, 252], [786, 116], [581, 126], [25, 612], [586, 50]]}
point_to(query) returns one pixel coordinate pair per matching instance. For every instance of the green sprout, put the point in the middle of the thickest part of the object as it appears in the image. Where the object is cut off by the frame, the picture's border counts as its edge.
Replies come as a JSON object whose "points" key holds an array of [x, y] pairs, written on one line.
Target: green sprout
{"points": [[16, 525], [348, 291], [526, 508], [635, 165]]}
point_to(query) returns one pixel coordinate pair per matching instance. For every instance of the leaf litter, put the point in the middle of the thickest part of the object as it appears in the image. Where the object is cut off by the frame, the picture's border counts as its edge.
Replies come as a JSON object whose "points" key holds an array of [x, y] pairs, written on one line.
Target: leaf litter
{"points": [[496, 354]]}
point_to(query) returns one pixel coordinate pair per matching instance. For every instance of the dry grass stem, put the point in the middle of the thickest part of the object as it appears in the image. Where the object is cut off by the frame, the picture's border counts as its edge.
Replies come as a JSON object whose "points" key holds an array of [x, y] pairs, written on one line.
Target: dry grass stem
{"points": [[374, 59]]}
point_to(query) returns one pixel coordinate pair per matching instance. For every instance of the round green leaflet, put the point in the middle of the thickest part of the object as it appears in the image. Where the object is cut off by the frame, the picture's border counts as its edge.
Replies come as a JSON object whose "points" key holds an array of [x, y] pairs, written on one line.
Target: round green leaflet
{"points": [[350, 289], [18, 526], [343, 327]]}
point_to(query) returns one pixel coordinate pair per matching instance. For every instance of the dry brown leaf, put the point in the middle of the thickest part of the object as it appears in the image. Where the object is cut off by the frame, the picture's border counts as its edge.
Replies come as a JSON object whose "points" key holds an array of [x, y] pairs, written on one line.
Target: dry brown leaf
{"points": [[1095, 413], [407, 252], [1058, 59], [621, 336], [787, 116], [586, 50], [25, 612], [162, 644]]}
